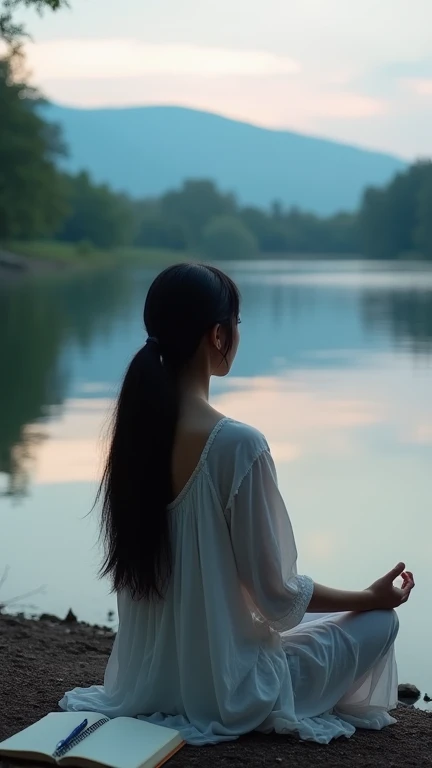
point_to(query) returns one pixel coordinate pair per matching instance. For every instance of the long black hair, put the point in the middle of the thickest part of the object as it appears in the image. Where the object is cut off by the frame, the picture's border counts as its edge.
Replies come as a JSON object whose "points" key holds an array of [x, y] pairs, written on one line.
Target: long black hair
{"points": [[183, 303]]}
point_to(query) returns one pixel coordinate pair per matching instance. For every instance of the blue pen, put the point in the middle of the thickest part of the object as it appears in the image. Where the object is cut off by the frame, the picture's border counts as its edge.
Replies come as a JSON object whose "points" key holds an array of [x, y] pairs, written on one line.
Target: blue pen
{"points": [[75, 732]]}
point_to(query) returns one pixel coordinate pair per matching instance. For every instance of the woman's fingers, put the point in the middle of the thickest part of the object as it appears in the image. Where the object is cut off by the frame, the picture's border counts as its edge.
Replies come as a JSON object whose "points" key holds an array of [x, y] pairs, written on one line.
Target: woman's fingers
{"points": [[398, 570], [408, 580], [406, 591], [408, 574]]}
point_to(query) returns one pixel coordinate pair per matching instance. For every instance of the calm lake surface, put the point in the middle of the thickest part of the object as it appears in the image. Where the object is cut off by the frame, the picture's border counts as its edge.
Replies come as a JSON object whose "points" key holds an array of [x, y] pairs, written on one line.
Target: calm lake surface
{"points": [[335, 367]]}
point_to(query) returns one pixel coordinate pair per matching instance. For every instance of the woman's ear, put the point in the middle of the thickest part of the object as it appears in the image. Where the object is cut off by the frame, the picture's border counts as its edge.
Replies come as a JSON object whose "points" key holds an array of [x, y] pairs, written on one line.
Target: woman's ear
{"points": [[215, 337]]}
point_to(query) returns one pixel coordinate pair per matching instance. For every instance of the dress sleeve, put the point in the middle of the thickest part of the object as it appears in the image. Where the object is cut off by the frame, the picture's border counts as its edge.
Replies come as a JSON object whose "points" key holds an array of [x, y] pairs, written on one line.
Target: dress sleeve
{"points": [[265, 550]]}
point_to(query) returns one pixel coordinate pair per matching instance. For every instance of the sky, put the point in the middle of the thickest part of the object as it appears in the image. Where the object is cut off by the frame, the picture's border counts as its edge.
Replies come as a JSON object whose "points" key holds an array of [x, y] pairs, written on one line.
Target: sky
{"points": [[359, 72]]}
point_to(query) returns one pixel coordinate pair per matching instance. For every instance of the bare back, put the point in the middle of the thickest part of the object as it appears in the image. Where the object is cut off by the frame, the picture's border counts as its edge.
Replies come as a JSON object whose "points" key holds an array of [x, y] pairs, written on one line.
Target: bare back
{"points": [[195, 425]]}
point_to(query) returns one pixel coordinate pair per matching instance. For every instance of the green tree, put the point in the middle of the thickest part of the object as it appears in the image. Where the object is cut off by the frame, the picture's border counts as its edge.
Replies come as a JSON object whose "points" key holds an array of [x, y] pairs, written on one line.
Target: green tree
{"points": [[153, 230], [156, 232], [374, 223], [268, 228], [423, 231], [11, 31], [194, 205], [303, 232], [343, 233], [389, 217], [97, 215], [226, 237], [32, 194], [294, 231]]}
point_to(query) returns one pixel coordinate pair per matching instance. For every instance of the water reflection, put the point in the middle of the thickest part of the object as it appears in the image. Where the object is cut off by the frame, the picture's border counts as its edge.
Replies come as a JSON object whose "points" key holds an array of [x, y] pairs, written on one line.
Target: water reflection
{"points": [[32, 376], [72, 338], [405, 315], [334, 367], [42, 324]]}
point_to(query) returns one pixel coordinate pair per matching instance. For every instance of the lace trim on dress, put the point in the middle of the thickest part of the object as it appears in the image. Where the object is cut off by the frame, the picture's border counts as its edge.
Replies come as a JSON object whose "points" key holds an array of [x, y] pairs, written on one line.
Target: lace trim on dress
{"points": [[298, 607]]}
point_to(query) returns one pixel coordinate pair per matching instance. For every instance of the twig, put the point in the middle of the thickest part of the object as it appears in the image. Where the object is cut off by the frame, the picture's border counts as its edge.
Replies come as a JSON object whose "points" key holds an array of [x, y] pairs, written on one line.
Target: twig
{"points": [[12, 600], [4, 575]]}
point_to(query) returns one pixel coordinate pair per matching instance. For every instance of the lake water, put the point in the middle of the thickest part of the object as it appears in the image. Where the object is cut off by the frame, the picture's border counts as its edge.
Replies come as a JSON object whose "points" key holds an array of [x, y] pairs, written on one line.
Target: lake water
{"points": [[335, 367]]}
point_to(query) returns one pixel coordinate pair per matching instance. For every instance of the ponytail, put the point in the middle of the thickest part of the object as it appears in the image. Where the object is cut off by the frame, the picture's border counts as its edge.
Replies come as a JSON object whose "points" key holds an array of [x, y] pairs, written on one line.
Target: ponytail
{"points": [[183, 303], [136, 483]]}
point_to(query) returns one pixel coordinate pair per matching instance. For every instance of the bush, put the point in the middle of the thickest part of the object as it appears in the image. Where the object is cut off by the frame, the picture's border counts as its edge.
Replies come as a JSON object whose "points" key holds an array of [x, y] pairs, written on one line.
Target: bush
{"points": [[84, 248], [226, 237]]}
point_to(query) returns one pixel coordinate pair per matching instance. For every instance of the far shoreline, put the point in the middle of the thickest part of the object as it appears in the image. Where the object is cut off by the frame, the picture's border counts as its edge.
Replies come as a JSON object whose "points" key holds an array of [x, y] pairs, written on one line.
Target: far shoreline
{"points": [[51, 257], [37, 258]]}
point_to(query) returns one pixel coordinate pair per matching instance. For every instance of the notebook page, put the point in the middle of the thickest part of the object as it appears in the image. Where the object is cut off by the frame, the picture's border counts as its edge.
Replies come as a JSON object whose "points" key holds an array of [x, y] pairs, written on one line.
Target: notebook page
{"points": [[125, 742], [43, 736]]}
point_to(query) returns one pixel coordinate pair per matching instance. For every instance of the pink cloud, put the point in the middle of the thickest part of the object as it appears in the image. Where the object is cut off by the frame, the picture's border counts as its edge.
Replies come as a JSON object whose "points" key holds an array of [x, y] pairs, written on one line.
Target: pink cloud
{"points": [[123, 57], [252, 85], [421, 435], [419, 86]]}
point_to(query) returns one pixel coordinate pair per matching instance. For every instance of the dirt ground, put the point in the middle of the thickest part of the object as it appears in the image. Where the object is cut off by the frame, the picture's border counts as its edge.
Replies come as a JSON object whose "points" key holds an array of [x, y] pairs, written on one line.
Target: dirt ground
{"points": [[39, 660]]}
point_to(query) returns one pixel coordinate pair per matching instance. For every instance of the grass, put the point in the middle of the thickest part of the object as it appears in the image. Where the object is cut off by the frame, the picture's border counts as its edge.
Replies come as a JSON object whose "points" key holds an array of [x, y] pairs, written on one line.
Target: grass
{"points": [[151, 256], [85, 255]]}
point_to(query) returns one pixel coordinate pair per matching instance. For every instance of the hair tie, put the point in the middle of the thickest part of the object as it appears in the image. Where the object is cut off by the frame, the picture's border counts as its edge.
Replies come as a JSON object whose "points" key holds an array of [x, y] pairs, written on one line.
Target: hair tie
{"points": [[152, 340]]}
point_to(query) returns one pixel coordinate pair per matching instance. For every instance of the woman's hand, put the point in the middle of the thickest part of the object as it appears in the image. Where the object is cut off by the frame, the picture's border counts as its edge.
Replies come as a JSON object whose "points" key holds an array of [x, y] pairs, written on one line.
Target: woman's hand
{"points": [[383, 593]]}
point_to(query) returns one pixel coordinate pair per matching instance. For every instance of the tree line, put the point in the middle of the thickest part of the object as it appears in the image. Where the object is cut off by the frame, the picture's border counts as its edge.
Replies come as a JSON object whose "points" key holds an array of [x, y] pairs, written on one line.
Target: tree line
{"points": [[38, 200], [396, 220]]}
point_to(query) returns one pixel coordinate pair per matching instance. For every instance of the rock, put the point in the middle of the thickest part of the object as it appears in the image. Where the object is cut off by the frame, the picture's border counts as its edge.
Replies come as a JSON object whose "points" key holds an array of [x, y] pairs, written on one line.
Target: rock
{"points": [[408, 691], [12, 262], [70, 617], [427, 698], [49, 617], [10, 621]]}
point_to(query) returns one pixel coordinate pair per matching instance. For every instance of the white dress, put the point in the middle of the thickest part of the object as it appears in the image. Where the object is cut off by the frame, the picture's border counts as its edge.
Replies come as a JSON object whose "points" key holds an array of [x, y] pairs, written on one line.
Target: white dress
{"points": [[228, 649]]}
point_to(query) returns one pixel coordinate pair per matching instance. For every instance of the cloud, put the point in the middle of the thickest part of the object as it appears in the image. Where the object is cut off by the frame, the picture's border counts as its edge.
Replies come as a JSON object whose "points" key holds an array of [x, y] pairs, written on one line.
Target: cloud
{"points": [[419, 67], [418, 86], [331, 69], [274, 101], [119, 58], [263, 87], [393, 79], [421, 434]]}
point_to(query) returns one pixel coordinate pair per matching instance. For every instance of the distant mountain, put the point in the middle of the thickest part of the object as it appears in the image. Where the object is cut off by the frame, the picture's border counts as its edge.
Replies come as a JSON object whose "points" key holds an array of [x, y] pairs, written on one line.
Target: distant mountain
{"points": [[148, 150]]}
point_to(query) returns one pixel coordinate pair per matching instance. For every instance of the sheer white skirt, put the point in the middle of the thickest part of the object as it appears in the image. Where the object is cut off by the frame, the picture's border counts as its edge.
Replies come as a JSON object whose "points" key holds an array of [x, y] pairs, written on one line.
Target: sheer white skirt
{"points": [[341, 676], [343, 673]]}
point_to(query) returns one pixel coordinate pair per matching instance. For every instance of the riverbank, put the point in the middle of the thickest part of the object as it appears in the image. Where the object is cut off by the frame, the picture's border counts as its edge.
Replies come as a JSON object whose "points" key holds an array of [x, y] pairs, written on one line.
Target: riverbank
{"points": [[41, 659], [38, 257], [48, 256]]}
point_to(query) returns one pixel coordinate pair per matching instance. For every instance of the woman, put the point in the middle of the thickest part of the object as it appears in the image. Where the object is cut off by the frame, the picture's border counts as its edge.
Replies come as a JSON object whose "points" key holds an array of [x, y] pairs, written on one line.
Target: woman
{"points": [[212, 636]]}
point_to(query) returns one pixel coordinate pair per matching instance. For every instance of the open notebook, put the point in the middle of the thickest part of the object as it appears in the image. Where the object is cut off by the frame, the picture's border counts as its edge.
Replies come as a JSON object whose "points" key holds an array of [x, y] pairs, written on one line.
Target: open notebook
{"points": [[123, 742]]}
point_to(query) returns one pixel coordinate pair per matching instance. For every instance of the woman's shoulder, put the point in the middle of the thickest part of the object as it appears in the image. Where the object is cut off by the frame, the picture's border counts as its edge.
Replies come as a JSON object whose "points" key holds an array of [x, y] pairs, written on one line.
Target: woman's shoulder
{"points": [[236, 439], [235, 450], [244, 432]]}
